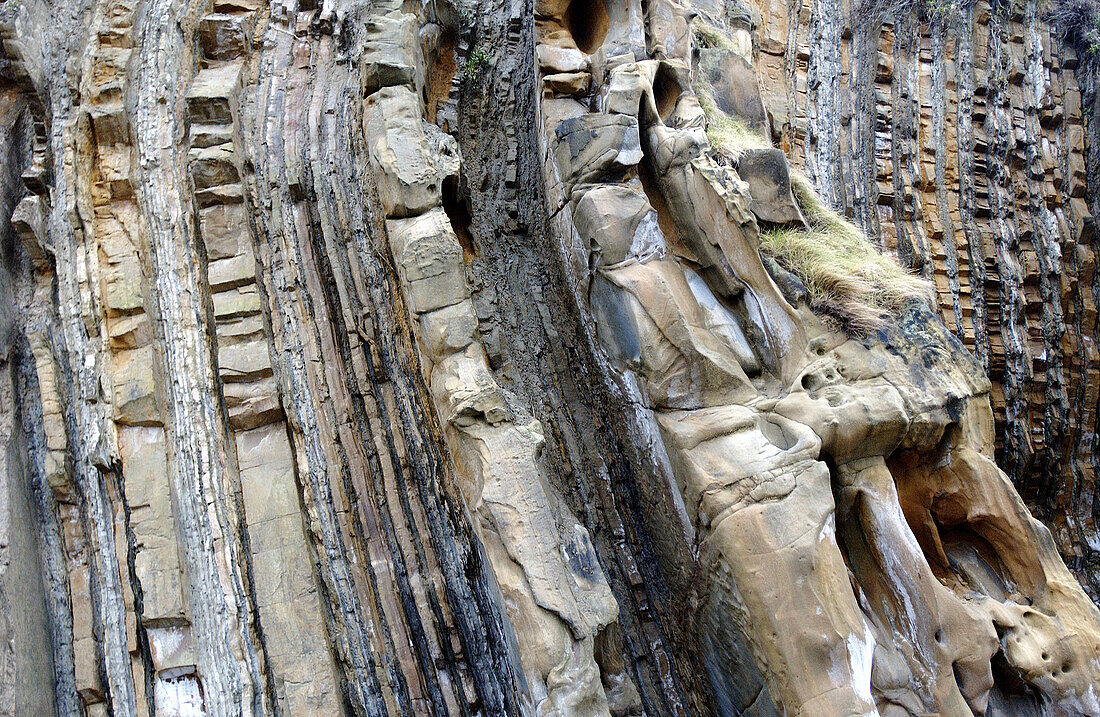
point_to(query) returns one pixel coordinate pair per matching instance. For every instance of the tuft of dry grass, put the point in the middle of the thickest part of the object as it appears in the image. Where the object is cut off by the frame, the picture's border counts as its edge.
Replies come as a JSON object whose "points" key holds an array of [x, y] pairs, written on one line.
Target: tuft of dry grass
{"points": [[846, 277], [727, 135], [707, 35]]}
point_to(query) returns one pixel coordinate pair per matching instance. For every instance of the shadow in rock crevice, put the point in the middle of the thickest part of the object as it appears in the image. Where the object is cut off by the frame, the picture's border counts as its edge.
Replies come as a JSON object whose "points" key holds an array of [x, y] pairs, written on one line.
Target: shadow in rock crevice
{"points": [[587, 21]]}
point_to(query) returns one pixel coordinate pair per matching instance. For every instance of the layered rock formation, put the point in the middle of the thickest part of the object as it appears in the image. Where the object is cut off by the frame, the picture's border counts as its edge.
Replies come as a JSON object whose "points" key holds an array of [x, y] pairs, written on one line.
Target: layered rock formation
{"points": [[955, 135], [518, 358]]}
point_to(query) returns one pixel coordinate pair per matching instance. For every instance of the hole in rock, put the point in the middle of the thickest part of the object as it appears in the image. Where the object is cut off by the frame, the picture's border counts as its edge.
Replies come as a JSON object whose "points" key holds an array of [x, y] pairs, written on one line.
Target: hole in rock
{"points": [[666, 91], [975, 562], [587, 21], [1011, 696], [458, 211]]}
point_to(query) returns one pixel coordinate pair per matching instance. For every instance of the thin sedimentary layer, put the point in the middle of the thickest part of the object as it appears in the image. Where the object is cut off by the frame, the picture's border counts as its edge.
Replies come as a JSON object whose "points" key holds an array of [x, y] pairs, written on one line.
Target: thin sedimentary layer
{"points": [[79, 368], [325, 482], [943, 231], [823, 75], [905, 150], [401, 517], [229, 653], [1014, 366]]}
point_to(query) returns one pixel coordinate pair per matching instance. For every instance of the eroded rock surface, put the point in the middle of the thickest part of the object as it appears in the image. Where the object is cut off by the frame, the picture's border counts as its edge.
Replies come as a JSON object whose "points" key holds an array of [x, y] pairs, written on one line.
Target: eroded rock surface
{"points": [[483, 358]]}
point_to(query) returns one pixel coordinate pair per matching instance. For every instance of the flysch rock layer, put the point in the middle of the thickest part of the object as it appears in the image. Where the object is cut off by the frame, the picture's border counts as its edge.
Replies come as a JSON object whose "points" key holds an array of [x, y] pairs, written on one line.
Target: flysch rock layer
{"points": [[438, 358]]}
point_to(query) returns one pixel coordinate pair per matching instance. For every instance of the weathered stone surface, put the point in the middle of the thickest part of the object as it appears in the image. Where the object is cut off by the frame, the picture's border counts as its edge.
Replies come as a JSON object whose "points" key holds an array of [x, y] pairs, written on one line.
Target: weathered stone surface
{"points": [[208, 97], [412, 158], [231, 272], [29, 222], [213, 166], [135, 390], [224, 230], [591, 146], [751, 470], [391, 53], [769, 180], [225, 36], [402, 359], [449, 329], [430, 260], [145, 463], [568, 83], [234, 303], [553, 60]]}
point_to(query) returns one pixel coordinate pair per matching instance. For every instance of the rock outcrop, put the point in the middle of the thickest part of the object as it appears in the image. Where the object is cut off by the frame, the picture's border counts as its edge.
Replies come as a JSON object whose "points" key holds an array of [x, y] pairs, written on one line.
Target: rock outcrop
{"points": [[566, 358]]}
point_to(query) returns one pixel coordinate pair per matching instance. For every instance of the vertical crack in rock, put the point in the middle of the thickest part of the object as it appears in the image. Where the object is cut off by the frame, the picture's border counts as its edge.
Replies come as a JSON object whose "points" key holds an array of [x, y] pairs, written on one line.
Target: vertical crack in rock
{"points": [[79, 367], [823, 104], [54, 575], [975, 242], [863, 64], [1012, 363], [912, 240]]}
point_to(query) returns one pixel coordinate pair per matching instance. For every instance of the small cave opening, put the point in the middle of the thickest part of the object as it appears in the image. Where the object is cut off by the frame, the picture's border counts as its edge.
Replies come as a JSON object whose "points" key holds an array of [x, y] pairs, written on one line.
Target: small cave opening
{"points": [[1011, 696], [974, 561], [456, 207], [588, 22], [909, 469], [666, 91]]}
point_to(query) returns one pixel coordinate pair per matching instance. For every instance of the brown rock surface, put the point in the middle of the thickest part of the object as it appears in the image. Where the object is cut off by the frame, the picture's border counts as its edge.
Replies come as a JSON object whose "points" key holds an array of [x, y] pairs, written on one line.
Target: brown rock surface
{"points": [[566, 358]]}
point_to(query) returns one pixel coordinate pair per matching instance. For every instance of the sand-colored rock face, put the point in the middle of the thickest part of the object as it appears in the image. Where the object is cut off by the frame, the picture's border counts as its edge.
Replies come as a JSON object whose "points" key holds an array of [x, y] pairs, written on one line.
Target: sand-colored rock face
{"points": [[779, 443], [427, 359]]}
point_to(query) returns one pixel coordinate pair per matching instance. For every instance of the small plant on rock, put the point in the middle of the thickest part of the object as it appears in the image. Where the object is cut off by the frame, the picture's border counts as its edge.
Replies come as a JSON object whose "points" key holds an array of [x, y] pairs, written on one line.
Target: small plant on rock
{"points": [[727, 135], [708, 36], [939, 8], [476, 63]]}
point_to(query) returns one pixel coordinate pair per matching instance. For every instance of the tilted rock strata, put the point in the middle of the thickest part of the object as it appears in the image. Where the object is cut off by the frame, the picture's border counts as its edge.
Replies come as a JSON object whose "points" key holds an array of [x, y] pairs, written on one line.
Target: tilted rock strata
{"points": [[955, 135], [747, 452], [389, 359]]}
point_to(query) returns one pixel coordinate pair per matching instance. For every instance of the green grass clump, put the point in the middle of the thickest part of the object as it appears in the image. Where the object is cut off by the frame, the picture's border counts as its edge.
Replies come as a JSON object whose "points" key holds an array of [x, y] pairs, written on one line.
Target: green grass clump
{"points": [[476, 63], [846, 277]]}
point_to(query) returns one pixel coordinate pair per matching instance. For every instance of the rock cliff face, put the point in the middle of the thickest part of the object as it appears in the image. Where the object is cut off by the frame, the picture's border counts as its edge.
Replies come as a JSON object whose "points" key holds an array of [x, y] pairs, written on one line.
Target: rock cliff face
{"points": [[563, 358]]}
